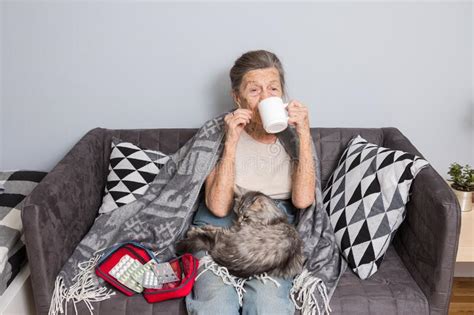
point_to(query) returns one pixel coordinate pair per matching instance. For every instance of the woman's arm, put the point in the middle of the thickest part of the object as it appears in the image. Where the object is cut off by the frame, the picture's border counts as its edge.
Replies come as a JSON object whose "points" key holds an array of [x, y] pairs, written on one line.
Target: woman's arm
{"points": [[219, 189], [304, 177]]}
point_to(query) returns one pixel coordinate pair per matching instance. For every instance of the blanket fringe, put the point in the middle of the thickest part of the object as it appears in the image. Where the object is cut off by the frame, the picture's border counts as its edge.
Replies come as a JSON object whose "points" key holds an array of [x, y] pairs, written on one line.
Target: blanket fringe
{"points": [[264, 277], [223, 273], [302, 291], [227, 278], [84, 289]]}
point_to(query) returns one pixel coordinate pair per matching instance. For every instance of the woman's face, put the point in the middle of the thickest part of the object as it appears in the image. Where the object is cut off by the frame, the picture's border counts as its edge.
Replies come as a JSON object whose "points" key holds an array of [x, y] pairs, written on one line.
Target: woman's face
{"points": [[258, 85]]}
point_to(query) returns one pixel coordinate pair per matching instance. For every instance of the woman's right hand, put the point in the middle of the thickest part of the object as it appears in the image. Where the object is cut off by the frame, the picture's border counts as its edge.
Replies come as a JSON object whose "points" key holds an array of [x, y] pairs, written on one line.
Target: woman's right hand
{"points": [[235, 122]]}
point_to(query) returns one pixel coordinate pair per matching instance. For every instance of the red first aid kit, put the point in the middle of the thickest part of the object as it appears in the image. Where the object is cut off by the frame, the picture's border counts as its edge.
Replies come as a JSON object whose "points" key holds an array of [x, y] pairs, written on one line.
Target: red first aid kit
{"points": [[184, 267]]}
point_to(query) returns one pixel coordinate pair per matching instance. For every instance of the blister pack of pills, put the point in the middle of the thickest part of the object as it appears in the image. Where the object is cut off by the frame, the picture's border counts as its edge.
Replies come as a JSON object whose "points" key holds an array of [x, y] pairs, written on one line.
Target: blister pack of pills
{"points": [[150, 281], [162, 271], [129, 272]]}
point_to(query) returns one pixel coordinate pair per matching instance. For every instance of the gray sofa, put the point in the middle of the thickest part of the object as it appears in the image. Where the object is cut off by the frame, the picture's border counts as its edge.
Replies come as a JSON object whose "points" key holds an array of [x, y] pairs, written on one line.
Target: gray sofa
{"points": [[415, 277]]}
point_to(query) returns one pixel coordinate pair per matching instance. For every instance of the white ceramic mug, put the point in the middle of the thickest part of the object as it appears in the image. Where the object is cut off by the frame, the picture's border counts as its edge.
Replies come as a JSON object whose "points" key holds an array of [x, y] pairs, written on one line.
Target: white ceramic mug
{"points": [[274, 114]]}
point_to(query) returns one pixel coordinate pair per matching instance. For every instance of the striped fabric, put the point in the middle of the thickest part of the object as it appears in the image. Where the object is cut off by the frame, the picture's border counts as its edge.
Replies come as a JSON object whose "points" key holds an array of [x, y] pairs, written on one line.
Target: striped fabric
{"points": [[14, 187]]}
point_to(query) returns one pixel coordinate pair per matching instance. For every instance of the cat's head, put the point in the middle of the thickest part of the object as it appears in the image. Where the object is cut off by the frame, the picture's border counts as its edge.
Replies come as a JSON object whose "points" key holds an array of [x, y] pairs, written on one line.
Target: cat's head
{"points": [[257, 207]]}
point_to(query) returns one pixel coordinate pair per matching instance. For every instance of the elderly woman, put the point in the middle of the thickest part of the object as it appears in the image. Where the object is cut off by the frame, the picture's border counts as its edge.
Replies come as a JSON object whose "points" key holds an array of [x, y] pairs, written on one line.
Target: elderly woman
{"points": [[253, 159]]}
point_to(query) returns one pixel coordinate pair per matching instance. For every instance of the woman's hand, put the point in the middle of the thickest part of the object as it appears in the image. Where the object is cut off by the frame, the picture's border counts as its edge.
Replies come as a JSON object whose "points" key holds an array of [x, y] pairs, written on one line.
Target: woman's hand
{"points": [[298, 117], [304, 176], [235, 122]]}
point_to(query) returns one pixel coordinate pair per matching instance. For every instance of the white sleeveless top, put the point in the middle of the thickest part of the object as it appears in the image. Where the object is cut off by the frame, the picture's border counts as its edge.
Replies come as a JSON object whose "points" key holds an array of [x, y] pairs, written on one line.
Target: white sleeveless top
{"points": [[262, 167]]}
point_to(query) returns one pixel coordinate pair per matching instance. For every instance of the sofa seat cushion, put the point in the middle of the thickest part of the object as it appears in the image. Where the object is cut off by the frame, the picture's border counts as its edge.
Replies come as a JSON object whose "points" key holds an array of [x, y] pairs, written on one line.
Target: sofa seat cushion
{"points": [[136, 304], [390, 291]]}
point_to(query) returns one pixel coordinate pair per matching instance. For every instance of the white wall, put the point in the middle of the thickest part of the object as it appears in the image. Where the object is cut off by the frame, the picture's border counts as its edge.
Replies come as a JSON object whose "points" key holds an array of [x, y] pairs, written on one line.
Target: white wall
{"points": [[69, 67]]}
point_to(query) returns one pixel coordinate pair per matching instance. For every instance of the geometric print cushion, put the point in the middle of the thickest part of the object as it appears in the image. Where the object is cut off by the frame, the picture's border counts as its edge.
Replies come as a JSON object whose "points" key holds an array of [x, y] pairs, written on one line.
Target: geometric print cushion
{"points": [[365, 199], [15, 185], [131, 170]]}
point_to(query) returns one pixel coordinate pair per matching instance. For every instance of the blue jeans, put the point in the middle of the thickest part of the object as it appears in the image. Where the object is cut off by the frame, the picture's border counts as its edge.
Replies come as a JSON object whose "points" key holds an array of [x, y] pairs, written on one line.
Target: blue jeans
{"points": [[210, 295], [204, 216]]}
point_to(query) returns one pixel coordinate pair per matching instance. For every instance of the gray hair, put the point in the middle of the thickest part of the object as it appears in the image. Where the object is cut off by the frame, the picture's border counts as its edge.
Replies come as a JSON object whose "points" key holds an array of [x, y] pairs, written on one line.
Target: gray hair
{"points": [[252, 60]]}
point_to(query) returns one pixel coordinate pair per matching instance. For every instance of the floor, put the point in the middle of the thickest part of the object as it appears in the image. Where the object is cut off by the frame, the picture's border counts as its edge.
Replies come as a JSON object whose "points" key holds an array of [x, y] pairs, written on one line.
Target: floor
{"points": [[462, 298]]}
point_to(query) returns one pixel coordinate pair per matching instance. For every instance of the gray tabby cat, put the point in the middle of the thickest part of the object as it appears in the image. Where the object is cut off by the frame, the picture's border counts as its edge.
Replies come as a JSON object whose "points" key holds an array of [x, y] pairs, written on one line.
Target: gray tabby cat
{"points": [[260, 240]]}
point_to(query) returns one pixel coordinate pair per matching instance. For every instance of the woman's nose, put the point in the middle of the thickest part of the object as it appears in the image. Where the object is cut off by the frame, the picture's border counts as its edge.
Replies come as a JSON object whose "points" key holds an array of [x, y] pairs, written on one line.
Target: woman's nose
{"points": [[264, 95]]}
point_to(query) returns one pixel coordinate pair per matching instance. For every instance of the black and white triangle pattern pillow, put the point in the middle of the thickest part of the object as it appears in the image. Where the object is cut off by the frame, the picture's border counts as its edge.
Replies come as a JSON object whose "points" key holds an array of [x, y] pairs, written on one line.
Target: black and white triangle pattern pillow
{"points": [[365, 199], [131, 170]]}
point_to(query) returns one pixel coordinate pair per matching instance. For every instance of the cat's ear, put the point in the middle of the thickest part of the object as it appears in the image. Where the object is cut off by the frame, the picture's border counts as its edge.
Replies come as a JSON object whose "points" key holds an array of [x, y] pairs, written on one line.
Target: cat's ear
{"points": [[237, 205], [239, 198]]}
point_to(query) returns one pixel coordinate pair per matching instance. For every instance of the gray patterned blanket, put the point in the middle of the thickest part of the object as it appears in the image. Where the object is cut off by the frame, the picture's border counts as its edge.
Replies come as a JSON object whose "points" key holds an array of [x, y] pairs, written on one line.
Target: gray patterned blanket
{"points": [[162, 216]]}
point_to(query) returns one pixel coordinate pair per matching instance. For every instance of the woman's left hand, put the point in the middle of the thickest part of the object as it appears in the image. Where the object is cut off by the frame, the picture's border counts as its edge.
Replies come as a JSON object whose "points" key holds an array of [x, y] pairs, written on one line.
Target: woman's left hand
{"points": [[298, 117]]}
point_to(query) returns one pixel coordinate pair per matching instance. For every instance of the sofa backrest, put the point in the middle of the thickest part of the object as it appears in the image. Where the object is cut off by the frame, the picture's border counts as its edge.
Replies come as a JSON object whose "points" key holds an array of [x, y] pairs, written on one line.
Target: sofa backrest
{"points": [[329, 142]]}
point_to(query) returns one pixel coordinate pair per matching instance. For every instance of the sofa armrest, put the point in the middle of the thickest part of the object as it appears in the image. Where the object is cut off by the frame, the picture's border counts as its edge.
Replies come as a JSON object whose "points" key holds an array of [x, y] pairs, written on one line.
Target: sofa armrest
{"points": [[60, 211], [427, 240]]}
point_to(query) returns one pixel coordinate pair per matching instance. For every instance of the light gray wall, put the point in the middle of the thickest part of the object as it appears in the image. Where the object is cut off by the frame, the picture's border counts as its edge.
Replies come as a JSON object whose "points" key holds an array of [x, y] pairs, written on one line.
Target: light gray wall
{"points": [[1, 85], [69, 67]]}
